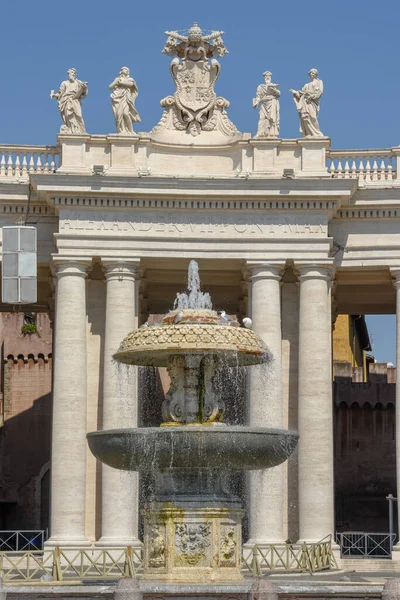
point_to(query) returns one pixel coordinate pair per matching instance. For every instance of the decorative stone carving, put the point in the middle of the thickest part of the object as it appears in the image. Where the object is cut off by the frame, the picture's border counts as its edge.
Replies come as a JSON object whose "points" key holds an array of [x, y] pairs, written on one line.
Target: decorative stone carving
{"points": [[307, 103], [213, 406], [267, 99], [192, 541], [228, 547], [123, 98], [152, 346], [195, 107], [173, 407], [156, 545], [69, 97]]}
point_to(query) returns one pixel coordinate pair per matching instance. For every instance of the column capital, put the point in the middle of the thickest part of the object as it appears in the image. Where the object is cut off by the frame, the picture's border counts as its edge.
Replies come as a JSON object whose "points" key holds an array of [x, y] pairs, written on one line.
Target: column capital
{"points": [[120, 269], [395, 273], [73, 266], [265, 270], [317, 270]]}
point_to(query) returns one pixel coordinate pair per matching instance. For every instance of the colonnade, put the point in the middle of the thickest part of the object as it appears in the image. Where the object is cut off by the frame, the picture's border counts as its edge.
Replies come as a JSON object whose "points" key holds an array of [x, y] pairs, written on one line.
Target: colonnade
{"points": [[119, 522], [315, 415], [265, 407]]}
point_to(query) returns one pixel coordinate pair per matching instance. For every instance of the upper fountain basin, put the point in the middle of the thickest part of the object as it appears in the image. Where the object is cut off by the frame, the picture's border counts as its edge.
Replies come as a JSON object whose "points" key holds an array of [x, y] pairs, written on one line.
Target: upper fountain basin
{"points": [[196, 332], [225, 447]]}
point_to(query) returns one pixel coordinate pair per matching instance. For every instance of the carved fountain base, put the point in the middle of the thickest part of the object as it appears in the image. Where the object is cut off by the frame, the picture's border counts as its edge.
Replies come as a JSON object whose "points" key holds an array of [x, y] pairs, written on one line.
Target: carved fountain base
{"points": [[192, 545], [193, 530]]}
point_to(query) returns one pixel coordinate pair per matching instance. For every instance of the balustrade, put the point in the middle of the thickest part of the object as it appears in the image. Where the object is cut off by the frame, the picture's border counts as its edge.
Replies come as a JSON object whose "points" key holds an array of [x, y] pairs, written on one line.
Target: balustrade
{"points": [[365, 165], [21, 161]]}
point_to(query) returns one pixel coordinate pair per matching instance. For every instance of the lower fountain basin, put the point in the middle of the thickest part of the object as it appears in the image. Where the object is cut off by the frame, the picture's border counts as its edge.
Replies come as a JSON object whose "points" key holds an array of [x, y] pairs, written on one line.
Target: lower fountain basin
{"points": [[225, 447]]}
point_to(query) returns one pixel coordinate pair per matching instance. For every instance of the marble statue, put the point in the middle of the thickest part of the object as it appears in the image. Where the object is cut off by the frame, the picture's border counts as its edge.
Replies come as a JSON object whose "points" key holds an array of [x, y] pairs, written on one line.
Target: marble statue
{"points": [[195, 107], [307, 104], [267, 98], [69, 97], [123, 98]]}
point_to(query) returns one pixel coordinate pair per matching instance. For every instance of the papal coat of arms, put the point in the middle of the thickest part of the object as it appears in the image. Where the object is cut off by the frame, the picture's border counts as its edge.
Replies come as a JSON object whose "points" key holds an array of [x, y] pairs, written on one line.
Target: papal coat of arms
{"points": [[195, 106]]}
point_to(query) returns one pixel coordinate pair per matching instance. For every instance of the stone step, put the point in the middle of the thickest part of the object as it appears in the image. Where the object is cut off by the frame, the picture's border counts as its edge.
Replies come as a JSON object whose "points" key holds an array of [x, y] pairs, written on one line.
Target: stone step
{"points": [[370, 564]]}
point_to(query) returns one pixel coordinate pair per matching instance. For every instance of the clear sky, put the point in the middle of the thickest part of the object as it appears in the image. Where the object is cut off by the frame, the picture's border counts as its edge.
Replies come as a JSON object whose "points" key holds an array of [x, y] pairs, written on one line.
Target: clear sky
{"points": [[353, 44]]}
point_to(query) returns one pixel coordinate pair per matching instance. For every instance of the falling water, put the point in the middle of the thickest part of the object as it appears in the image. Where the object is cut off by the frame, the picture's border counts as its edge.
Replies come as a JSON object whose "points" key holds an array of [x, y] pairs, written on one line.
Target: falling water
{"points": [[193, 297]]}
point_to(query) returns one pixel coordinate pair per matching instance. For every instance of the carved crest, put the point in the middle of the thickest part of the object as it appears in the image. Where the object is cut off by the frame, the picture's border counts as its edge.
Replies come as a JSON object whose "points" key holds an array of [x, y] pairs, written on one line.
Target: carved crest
{"points": [[194, 106], [195, 83]]}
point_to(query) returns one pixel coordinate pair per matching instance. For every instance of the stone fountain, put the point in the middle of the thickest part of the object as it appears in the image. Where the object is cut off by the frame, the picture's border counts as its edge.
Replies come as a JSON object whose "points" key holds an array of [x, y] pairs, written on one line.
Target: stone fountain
{"points": [[193, 525]]}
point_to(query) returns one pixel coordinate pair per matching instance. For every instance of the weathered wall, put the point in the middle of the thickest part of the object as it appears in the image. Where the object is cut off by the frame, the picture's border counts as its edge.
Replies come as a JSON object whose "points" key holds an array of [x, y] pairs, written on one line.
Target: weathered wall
{"points": [[365, 460], [25, 435]]}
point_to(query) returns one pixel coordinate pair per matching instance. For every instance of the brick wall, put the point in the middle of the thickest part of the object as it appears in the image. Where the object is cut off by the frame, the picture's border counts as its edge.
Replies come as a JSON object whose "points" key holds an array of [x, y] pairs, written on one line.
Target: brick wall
{"points": [[365, 454], [26, 430]]}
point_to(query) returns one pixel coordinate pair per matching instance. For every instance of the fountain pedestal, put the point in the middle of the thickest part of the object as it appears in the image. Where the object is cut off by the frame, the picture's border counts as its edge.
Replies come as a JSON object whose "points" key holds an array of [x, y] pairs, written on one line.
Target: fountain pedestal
{"points": [[193, 530], [193, 545]]}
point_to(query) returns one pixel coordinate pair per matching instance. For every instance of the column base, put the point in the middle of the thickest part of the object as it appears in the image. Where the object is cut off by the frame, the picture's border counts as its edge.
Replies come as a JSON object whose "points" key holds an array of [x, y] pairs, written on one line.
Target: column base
{"points": [[118, 542], [62, 542], [396, 552]]}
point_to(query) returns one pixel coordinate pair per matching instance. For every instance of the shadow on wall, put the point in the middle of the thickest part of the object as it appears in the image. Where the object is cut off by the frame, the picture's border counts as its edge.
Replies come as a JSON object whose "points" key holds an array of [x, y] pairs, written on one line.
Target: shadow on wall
{"points": [[365, 453], [25, 442]]}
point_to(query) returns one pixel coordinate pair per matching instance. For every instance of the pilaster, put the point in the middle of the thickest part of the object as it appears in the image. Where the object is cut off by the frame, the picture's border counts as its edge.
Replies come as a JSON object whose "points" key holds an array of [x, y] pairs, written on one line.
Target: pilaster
{"points": [[313, 157], [73, 153]]}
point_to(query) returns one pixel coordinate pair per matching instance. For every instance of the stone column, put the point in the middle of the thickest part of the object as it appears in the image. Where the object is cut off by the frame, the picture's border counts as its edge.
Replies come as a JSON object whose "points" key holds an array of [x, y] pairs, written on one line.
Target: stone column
{"points": [[266, 488], [315, 451], [68, 460], [119, 488], [396, 274]]}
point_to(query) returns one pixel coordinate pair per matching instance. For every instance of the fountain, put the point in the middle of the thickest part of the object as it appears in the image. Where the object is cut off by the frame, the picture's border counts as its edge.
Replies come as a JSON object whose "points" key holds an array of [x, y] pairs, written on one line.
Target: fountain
{"points": [[193, 525]]}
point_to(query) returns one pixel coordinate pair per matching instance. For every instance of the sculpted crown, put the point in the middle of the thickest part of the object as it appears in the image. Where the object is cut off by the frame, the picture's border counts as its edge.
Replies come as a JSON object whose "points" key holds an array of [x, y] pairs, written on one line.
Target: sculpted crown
{"points": [[205, 46]]}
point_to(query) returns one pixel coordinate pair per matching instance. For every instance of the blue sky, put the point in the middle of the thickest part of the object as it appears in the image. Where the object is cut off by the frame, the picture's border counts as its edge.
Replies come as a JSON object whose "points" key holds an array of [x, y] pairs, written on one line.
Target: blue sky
{"points": [[354, 45]]}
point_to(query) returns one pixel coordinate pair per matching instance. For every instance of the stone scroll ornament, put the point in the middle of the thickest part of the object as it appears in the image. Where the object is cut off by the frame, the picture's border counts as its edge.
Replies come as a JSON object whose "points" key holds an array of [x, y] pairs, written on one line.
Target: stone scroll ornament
{"points": [[195, 107], [69, 97]]}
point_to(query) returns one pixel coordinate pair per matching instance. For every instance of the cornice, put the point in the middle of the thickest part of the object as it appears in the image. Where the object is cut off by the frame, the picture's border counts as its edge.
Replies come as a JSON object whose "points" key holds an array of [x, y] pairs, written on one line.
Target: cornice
{"points": [[196, 204], [63, 184], [368, 213]]}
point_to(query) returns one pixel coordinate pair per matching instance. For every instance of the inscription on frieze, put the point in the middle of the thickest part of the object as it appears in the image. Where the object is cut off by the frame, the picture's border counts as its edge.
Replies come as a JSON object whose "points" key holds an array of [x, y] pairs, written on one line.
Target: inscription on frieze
{"points": [[192, 225]]}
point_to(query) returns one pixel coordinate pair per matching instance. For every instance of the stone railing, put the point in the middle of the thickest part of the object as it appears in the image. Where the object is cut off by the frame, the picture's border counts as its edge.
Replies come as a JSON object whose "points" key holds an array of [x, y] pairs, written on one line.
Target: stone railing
{"points": [[21, 161], [365, 165]]}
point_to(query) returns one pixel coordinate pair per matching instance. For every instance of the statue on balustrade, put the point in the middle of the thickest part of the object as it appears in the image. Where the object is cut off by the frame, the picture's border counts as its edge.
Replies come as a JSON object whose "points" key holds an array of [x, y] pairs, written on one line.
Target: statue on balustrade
{"points": [[123, 98], [307, 103], [69, 98], [267, 98]]}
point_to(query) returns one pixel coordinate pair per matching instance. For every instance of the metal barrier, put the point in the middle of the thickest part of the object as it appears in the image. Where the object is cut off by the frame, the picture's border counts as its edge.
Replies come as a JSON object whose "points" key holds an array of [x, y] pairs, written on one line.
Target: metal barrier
{"points": [[290, 557], [76, 564], [365, 545], [21, 540], [70, 564]]}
